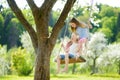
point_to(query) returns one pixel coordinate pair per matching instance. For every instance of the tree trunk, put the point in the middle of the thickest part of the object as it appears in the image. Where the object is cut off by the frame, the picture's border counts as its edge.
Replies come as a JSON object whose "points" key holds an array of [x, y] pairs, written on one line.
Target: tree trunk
{"points": [[94, 66], [74, 67], [42, 65]]}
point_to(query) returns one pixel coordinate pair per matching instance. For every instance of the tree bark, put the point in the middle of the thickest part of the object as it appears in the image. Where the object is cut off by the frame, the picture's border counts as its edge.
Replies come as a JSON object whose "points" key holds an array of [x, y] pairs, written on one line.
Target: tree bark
{"points": [[42, 69]]}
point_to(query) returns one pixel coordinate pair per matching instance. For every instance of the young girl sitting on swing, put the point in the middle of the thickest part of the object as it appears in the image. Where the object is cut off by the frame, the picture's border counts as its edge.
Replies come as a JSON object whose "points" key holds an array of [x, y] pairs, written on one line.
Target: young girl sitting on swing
{"points": [[71, 52]]}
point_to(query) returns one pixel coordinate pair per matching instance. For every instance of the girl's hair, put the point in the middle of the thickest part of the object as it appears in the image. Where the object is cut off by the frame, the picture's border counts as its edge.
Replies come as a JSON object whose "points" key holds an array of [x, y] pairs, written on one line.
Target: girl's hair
{"points": [[78, 24]]}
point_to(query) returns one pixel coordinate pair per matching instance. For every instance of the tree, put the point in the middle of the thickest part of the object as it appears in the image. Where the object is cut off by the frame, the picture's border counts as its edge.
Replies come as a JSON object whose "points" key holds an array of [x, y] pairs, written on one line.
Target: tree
{"points": [[96, 47], [114, 55], [10, 29], [43, 43]]}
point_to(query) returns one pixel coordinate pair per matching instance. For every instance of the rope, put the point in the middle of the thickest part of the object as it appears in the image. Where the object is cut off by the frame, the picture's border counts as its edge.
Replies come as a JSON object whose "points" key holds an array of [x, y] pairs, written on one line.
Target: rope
{"points": [[63, 36], [90, 14]]}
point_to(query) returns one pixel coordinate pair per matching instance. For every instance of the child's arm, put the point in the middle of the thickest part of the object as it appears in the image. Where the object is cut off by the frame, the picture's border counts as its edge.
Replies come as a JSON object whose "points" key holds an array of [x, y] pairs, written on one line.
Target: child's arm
{"points": [[89, 25], [63, 46], [66, 48]]}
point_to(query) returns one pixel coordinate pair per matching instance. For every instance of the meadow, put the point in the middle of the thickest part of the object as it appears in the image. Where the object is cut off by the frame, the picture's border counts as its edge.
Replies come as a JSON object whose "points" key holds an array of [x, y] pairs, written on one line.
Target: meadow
{"points": [[68, 77]]}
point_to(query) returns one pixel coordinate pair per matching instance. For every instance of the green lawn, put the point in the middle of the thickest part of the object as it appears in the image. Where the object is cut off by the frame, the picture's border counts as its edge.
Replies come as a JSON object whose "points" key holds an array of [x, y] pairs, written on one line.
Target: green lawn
{"points": [[67, 77]]}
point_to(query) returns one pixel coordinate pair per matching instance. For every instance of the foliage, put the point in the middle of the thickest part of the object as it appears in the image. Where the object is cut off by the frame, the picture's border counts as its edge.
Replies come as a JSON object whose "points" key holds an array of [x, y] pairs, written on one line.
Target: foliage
{"points": [[4, 65], [118, 37], [114, 55], [107, 17], [108, 33], [28, 16], [21, 62], [1, 20], [96, 48], [10, 29], [107, 11], [26, 42], [96, 45]]}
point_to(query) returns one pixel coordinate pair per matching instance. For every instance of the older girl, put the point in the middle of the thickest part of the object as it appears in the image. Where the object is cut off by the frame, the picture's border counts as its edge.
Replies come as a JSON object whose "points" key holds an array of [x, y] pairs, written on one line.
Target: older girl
{"points": [[82, 30]]}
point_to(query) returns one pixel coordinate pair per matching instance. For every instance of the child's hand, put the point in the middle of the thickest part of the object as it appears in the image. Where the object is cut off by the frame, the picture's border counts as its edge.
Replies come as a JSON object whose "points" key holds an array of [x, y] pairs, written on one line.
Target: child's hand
{"points": [[62, 45], [77, 56]]}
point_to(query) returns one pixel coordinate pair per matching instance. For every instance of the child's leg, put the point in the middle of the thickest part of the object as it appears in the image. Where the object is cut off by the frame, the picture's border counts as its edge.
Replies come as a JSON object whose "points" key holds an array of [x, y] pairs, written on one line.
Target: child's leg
{"points": [[67, 46], [85, 47], [82, 45], [66, 62], [58, 64]]}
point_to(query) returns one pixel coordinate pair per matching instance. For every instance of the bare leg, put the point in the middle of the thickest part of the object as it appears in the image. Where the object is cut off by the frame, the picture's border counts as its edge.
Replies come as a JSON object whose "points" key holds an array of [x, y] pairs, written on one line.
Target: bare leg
{"points": [[58, 64], [82, 45], [66, 63], [80, 48]]}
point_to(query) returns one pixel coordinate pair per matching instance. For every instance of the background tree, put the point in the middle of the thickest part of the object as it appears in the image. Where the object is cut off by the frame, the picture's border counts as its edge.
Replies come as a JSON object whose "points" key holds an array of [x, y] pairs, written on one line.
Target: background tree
{"points": [[43, 43], [107, 19], [96, 47], [10, 29], [114, 55]]}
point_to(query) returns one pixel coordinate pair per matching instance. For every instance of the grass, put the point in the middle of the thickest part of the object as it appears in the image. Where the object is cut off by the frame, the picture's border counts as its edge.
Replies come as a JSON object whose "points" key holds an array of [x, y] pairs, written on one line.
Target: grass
{"points": [[68, 77], [86, 77]]}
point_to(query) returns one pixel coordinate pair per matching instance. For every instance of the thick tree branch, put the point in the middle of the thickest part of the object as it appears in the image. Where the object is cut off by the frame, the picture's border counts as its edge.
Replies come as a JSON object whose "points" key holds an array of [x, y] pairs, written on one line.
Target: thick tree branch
{"points": [[22, 19], [61, 20], [48, 5], [33, 6], [42, 18]]}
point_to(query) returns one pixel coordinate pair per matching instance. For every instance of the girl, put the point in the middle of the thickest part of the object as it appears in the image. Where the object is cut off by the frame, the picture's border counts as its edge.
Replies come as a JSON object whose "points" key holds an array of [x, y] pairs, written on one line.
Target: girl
{"points": [[82, 30], [71, 52]]}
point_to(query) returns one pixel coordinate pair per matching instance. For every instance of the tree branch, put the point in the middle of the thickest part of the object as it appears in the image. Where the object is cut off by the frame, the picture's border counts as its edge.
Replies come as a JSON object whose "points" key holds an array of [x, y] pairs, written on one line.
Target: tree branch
{"points": [[22, 19], [33, 6], [48, 5], [42, 18], [61, 20]]}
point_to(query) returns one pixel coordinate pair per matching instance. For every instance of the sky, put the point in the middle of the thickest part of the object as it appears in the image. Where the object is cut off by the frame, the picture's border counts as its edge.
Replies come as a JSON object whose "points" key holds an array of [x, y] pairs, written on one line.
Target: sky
{"points": [[114, 3]]}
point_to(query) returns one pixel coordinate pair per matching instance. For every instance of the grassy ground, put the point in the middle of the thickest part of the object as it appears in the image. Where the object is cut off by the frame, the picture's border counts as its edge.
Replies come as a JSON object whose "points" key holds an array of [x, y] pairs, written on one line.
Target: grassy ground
{"points": [[86, 77], [67, 77]]}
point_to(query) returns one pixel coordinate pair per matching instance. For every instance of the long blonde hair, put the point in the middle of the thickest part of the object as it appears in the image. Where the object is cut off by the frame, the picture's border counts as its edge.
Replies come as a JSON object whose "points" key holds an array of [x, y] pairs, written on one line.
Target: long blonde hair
{"points": [[78, 24]]}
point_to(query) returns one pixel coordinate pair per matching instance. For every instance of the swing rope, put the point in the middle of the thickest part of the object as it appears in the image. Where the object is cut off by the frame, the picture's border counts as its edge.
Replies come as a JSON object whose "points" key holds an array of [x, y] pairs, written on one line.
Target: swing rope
{"points": [[91, 6], [90, 15], [63, 37]]}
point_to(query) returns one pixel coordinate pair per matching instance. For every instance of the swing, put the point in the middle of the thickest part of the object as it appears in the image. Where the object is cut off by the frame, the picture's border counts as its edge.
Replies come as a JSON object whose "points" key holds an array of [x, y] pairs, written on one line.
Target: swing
{"points": [[72, 60], [80, 59]]}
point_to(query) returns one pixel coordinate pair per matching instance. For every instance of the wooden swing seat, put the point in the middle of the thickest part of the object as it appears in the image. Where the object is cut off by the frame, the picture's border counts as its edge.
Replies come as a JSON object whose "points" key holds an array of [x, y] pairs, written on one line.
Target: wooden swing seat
{"points": [[72, 60]]}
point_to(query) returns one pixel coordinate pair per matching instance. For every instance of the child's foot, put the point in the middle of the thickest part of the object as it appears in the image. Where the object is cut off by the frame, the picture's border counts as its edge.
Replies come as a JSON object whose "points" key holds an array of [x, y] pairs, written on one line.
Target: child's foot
{"points": [[58, 71], [64, 70]]}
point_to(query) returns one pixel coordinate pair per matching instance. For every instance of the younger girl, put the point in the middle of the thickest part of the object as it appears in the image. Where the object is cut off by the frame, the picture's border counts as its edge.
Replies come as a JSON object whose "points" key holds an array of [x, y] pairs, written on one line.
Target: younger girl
{"points": [[71, 52]]}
